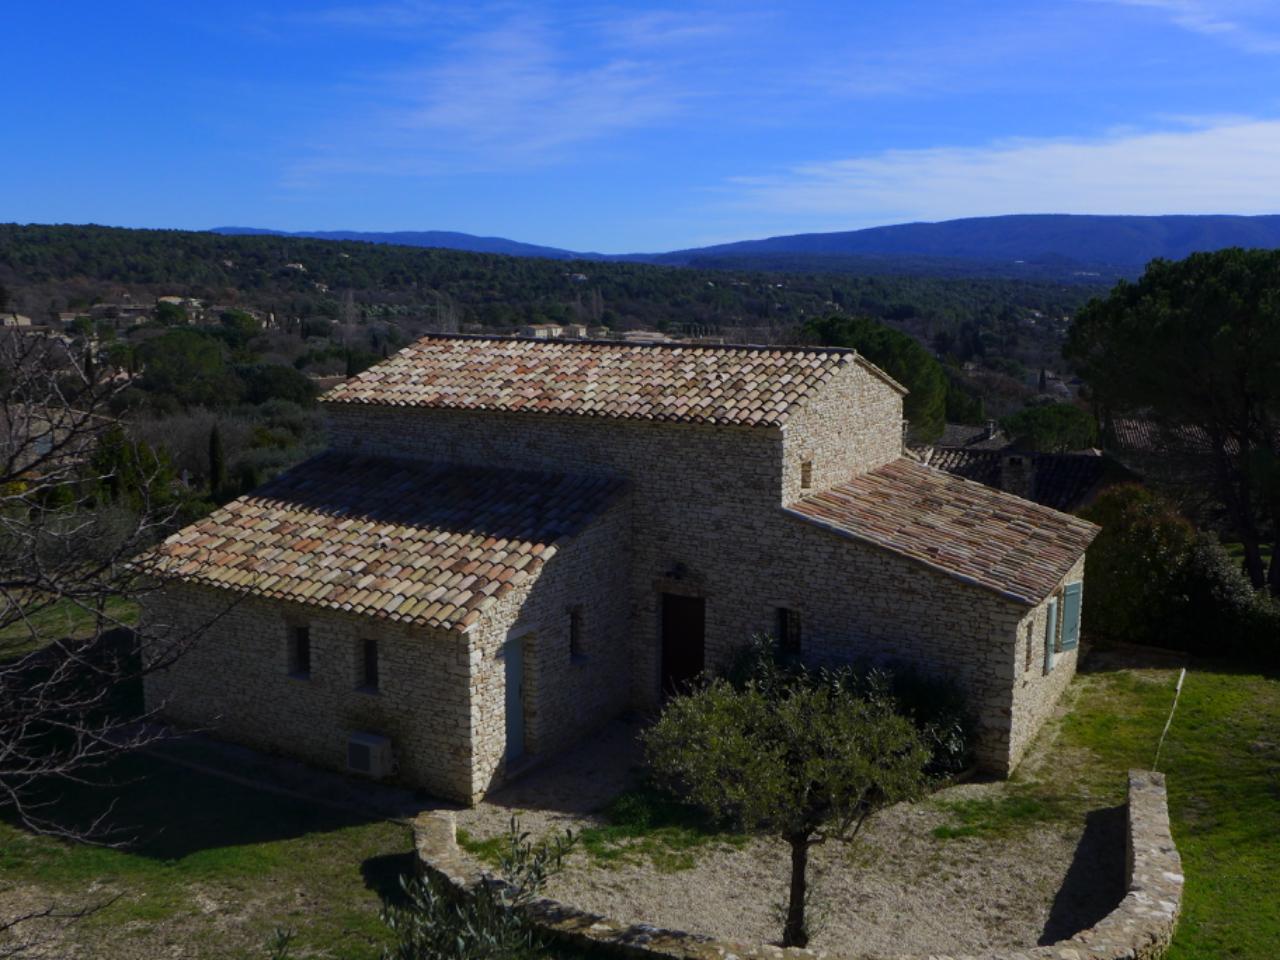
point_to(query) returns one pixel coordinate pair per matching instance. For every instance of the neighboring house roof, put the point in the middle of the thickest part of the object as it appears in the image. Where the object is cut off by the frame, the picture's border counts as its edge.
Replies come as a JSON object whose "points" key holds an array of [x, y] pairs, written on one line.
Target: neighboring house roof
{"points": [[1059, 480], [750, 386], [411, 542], [1143, 436], [972, 437], [1019, 549]]}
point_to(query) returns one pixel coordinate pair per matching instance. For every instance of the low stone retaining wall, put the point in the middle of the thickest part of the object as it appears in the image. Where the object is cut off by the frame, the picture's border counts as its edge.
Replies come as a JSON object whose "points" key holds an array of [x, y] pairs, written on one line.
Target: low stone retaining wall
{"points": [[1139, 928]]}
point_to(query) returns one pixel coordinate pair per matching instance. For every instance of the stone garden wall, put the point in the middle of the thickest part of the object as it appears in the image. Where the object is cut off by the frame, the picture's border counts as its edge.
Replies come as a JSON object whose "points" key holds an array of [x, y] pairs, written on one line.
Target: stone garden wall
{"points": [[1139, 928]]}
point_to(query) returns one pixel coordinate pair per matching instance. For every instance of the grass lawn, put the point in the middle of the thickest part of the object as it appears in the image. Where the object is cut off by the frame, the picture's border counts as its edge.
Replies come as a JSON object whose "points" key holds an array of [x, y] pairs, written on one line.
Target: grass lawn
{"points": [[211, 866], [214, 868], [61, 620], [1236, 551], [1222, 762], [640, 824]]}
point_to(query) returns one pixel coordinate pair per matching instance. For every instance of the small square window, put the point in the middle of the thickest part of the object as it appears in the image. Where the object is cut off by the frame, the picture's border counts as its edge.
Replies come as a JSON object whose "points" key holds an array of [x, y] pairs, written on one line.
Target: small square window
{"points": [[300, 652], [788, 632], [369, 665], [575, 633], [806, 474]]}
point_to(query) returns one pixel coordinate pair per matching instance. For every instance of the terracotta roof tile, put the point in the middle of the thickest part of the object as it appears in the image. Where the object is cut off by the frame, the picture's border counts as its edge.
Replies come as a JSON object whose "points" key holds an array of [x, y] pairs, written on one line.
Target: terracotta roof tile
{"points": [[752, 386], [1063, 481], [983, 536], [386, 538]]}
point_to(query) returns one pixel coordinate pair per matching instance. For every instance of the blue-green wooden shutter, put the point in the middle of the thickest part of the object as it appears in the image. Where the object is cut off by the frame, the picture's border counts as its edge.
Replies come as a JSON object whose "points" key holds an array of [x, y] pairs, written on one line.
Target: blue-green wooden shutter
{"points": [[1050, 632], [1071, 615]]}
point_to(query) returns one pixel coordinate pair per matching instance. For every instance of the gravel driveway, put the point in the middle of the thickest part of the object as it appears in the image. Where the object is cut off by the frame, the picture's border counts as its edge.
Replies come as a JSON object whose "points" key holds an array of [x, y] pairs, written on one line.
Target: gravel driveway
{"points": [[900, 889]]}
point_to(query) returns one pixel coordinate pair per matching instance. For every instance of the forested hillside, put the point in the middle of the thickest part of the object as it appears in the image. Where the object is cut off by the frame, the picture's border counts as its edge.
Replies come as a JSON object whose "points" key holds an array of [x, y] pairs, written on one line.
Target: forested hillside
{"points": [[64, 268], [221, 343]]}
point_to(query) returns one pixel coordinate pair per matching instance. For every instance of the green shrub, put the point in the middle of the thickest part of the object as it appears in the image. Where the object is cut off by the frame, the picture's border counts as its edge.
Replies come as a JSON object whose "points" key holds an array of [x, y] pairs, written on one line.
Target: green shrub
{"points": [[1052, 428], [1136, 568], [1222, 614], [487, 922], [1151, 579]]}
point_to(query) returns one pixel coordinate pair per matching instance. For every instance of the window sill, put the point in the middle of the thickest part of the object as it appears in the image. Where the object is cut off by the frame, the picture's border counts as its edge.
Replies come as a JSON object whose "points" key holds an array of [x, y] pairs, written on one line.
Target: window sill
{"points": [[298, 675], [369, 691], [579, 659]]}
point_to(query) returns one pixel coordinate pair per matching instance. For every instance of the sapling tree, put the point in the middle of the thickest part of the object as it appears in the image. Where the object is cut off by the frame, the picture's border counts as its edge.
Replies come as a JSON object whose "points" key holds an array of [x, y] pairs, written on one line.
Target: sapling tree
{"points": [[485, 922], [802, 756], [78, 501]]}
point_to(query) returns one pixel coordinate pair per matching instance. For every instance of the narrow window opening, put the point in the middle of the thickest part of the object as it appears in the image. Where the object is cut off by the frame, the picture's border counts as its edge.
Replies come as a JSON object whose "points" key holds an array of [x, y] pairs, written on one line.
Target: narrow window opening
{"points": [[806, 474], [1026, 666], [1050, 634], [369, 664], [300, 652], [788, 631], [575, 633]]}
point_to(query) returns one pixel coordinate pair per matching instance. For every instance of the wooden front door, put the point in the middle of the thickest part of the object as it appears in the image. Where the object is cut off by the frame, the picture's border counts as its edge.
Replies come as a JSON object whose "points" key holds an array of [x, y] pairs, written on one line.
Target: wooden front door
{"points": [[683, 640]]}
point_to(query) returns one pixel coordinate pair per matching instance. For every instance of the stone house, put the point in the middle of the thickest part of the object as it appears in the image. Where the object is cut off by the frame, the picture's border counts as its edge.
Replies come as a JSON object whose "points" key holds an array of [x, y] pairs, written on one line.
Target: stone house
{"points": [[512, 540]]}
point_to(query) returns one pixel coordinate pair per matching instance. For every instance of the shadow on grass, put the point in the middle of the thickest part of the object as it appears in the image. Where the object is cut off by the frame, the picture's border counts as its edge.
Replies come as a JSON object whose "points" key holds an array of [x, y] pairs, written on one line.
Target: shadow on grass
{"points": [[384, 875], [1095, 881], [164, 812]]}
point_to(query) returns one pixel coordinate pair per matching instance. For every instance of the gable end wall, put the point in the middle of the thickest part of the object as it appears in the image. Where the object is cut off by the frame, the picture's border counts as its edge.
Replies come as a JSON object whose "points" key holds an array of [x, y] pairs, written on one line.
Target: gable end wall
{"points": [[850, 426]]}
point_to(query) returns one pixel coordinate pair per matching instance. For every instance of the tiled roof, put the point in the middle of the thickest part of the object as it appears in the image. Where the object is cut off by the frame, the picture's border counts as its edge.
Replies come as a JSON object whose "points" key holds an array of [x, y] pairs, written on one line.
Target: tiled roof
{"points": [[752, 386], [974, 438], [1140, 435], [974, 533], [1059, 480], [411, 542]]}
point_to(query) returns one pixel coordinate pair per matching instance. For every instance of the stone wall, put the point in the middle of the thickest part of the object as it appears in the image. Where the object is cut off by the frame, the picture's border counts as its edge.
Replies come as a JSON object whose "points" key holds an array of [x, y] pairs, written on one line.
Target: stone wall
{"points": [[1036, 691], [442, 694], [850, 426], [706, 520], [235, 680], [1141, 926], [567, 695]]}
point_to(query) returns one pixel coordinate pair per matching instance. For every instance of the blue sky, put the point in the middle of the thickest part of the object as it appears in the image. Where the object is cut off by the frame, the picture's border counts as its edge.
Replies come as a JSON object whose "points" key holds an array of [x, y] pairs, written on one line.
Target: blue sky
{"points": [[635, 126]]}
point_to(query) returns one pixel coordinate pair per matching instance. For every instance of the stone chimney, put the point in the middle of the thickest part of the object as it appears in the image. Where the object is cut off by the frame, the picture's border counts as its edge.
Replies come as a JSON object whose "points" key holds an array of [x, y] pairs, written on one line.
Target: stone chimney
{"points": [[1018, 475], [990, 430]]}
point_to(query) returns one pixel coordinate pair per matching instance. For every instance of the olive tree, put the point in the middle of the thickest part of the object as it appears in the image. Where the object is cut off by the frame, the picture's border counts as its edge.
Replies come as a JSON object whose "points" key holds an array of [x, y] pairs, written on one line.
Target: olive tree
{"points": [[807, 760]]}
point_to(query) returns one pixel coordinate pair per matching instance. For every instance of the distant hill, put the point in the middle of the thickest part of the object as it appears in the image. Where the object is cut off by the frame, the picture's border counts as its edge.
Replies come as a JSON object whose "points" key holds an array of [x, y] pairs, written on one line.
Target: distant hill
{"points": [[441, 239], [1061, 240], [1031, 246]]}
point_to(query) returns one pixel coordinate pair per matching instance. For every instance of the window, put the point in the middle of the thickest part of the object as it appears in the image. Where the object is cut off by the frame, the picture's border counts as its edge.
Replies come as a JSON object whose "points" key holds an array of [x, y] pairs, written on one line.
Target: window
{"points": [[1071, 602], [1050, 633], [1026, 666], [369, 665], [788, 632], [575, 633], [806, 474], [300, 652]]}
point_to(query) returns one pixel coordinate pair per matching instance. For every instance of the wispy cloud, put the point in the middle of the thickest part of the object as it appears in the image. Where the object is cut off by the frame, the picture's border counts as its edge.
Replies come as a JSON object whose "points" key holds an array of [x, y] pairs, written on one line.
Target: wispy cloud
{"points": [[1226, 166], [520, 93], [1225, 21]]}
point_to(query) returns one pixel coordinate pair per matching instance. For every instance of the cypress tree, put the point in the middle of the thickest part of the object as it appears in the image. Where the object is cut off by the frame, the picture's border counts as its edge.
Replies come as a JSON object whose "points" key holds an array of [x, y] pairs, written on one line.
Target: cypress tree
{"points": [[217, 463]]}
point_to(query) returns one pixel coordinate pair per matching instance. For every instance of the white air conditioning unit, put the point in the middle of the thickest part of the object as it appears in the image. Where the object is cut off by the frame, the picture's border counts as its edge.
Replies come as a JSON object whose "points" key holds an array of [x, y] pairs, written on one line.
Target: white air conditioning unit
{"points": [[370, 754]]}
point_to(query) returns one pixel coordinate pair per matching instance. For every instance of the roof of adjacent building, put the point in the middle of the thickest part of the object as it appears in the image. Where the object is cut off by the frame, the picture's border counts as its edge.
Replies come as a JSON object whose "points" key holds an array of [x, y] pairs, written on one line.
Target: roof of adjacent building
{"points": [[972, 437], [1063, 481], [411, 542], [1017, 548], [749, 386], [1146, 436]]}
